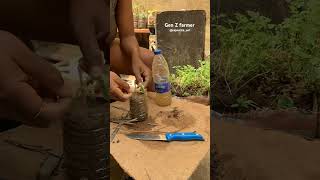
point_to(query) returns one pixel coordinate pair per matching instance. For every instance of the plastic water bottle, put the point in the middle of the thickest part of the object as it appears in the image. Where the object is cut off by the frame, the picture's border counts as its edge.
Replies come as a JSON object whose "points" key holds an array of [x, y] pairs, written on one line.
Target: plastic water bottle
{"points": [[85, 135], [161, 75]]}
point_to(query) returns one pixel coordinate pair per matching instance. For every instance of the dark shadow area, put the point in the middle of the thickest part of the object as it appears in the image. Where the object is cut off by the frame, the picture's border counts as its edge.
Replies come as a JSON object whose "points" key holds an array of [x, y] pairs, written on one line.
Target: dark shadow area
{"points": [[6, 124]]}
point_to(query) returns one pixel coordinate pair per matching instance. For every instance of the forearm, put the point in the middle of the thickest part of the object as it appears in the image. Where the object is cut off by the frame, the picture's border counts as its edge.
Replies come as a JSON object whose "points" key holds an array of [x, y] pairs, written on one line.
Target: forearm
{"points": [[128, 41], [130, 46]]}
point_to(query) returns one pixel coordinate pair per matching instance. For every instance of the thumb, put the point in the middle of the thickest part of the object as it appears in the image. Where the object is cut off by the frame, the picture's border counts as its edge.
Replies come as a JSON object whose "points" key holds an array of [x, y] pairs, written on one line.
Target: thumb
{"points": [[138, 75]]}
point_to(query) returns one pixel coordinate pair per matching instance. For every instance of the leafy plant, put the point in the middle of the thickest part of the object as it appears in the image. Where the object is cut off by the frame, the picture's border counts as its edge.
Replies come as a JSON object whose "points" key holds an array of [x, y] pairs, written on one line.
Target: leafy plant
{"points": [[285, 102], [189, 80], [255, 55], [244, 104]]}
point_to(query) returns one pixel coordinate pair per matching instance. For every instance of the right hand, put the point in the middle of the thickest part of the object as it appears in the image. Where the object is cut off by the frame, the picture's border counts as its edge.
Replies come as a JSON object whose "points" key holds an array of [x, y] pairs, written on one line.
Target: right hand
{"points": [[119, 89], [90, 22]]}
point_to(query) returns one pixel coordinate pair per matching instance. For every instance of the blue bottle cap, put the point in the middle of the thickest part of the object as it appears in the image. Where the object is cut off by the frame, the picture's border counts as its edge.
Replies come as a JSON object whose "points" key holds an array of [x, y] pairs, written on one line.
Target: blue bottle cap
{"points": [[157, 51]]}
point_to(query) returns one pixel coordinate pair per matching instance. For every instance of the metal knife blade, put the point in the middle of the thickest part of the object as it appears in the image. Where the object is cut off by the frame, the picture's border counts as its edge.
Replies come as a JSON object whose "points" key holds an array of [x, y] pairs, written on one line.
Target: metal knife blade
{"points": [[147, 137], [178, 136]]}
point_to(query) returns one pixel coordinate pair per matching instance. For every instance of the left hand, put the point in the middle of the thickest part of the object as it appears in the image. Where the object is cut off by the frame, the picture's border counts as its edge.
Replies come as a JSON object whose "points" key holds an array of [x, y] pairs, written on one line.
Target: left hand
{"points": [[119, 89], [141, 71]]}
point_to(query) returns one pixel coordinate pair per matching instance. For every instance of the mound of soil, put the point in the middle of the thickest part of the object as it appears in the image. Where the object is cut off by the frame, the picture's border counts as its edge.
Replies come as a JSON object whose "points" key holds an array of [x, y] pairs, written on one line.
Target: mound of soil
{"points": [[291, 121], [251, 153]]}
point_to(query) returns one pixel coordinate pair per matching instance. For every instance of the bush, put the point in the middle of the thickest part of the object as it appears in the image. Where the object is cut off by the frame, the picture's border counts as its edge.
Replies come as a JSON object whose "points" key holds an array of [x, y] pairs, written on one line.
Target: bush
{"points": [[273, 60], [189, 80]]}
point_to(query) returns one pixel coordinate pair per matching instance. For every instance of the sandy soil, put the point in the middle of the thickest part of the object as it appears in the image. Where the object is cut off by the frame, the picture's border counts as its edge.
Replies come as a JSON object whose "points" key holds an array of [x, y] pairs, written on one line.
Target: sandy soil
{"points": [[160, 160], [250, 153]]}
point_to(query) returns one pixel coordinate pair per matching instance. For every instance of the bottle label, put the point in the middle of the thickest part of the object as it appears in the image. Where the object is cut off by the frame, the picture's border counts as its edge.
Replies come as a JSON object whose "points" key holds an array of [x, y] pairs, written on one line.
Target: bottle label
{"points": [[162, 87]]}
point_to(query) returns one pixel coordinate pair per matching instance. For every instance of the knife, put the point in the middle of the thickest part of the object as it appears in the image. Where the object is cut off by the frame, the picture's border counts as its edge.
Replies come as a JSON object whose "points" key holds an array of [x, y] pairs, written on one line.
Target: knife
{"points": [[178, 136]]}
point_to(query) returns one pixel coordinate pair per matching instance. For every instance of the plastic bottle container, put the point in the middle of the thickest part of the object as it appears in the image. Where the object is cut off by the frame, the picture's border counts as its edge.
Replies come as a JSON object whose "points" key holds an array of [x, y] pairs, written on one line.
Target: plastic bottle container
{"points": [[85, 136], [138, 104], [161, 75]]}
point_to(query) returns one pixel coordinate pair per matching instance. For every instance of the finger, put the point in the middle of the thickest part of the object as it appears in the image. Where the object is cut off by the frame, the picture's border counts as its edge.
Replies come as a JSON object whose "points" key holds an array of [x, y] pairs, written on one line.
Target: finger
{"points": [[27, 102], [83, 65], [116, 92], [55, 111], [66, 91], [62, 63], [85, 33], [35, 66], [122, 84], [128, 95], [137, 73], [64, 69], [64, 72], [124, 98], [147, 77], [63, 105]]}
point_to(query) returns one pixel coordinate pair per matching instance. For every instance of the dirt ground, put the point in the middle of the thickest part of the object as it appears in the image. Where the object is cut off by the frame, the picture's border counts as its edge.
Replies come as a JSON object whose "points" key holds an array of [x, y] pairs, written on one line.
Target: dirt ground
{"points": [[159, 160], [247, 152]]}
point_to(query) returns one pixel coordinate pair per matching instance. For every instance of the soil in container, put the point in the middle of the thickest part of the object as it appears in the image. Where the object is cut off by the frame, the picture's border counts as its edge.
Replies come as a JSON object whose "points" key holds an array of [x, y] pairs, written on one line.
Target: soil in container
{"points": [[138, 105], [85, 140]]}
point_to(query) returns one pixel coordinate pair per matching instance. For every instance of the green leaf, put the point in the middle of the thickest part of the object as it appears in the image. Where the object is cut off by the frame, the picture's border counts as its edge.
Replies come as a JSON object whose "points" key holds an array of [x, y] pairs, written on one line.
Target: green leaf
{"points": [[285, 102]]}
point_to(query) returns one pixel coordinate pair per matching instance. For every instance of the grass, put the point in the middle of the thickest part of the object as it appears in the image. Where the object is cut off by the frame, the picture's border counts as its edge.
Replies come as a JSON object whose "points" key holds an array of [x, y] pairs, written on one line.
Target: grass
{"points": [[191, 81]]}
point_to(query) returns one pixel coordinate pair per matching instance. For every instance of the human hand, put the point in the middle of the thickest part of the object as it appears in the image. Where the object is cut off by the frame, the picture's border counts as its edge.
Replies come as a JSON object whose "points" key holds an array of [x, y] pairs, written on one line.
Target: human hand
{"points": [[26, 81], [34, 105], [141, 71], [119, 89], [94, 71], [90, 22], [54, 106]]}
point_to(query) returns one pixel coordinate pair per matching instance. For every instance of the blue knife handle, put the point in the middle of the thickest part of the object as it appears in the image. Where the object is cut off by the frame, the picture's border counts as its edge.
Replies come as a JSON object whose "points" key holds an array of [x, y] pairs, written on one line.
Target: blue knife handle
{"points": [[184, 136]]}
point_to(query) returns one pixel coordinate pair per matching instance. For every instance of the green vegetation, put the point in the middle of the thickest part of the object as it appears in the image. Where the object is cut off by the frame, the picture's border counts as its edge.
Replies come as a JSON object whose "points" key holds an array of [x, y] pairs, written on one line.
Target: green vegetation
{"points": [[189, 80], [275, 64], [242, 104]]}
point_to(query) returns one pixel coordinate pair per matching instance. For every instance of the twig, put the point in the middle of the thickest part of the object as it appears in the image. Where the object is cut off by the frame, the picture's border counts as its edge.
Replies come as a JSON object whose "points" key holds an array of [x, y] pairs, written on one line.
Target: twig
{"points": [[147, 132], [250, 80], [33, 148], [114, 133], [218, 114], [123, 109], [25, 145], [225, 80], [125, 123], [218, 98], [147, 173], [156, 131]]}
